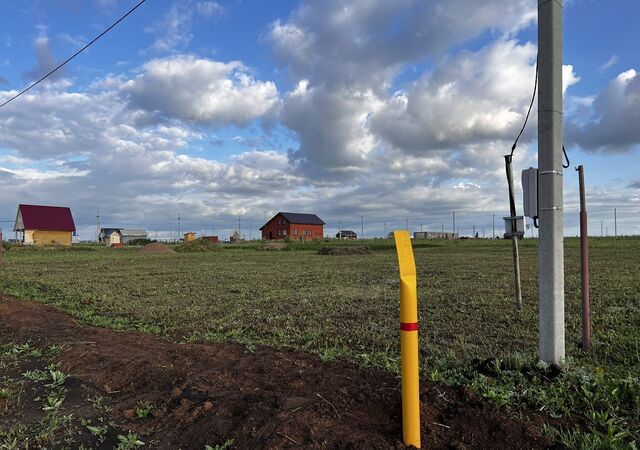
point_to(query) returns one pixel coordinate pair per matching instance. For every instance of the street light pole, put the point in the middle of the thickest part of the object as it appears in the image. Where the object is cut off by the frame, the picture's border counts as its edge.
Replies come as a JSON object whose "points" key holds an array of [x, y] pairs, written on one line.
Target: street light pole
{"points": [[550, 140]]}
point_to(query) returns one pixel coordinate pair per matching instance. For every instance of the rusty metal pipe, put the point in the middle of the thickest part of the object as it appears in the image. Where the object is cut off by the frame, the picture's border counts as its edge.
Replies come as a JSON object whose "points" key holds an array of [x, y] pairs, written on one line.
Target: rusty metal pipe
{"points": [[584, 256]]}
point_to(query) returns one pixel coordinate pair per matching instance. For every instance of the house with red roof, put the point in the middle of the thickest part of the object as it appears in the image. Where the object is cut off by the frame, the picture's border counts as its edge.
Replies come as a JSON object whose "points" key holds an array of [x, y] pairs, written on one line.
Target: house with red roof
{"points": [[294, 226], [44, 225]]}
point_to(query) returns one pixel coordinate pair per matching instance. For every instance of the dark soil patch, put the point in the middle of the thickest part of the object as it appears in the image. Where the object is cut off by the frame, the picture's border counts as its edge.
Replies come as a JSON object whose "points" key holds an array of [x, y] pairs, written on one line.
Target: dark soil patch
{"points": [[346, 250], [156, 248], [209, 393]]}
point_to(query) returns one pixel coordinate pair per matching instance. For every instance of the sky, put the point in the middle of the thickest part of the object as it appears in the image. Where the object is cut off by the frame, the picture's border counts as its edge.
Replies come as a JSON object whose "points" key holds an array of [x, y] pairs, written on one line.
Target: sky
{"points": [[373, 114]]}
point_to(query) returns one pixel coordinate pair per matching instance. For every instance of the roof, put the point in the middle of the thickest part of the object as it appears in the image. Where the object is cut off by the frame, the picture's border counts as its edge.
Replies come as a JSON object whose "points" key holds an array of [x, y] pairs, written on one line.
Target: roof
{"points": [[130, 233], [108, 231], [47, 218], [346, 233], [299, 218]]}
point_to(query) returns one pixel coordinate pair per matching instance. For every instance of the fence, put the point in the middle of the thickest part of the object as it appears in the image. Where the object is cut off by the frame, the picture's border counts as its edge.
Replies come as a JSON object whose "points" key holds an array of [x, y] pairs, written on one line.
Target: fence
{"points": [[604, 220]]}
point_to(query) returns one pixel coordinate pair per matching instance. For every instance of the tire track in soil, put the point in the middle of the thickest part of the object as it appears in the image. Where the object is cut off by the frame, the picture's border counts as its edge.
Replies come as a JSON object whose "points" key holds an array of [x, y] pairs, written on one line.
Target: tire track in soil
{"points": [[208, 393]]}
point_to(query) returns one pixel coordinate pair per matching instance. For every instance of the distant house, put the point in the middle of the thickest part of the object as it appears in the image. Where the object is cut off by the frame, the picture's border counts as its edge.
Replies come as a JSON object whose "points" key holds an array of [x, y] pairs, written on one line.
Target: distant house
{"points": [[44, 225], [294, 225], [213, 239], [114, 236], [109, 236], [132, 235], [188, 237], [346, 234], [435, 235], [235, 237]]}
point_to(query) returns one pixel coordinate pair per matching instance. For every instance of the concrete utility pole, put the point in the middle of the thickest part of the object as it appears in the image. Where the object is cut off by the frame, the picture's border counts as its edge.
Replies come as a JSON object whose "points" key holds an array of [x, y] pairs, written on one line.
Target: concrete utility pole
{"points": [[615, 222], [494, 227], [550, 200], [179, 228], [454, 222], [361, 227], [406, 221], [601, 229], [97, 226]]}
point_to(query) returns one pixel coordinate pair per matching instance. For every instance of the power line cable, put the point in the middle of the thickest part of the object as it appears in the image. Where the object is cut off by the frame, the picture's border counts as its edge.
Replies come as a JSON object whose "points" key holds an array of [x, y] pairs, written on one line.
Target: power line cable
{"points": [[526, 119], [59, 66]]}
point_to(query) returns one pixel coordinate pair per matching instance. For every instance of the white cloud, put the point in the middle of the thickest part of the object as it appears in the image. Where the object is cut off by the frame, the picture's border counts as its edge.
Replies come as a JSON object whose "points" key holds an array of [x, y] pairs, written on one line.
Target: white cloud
{"points": [[609, 64], [612, 126], [336, 42], [173, 31], [469, 98], [201, 90]]}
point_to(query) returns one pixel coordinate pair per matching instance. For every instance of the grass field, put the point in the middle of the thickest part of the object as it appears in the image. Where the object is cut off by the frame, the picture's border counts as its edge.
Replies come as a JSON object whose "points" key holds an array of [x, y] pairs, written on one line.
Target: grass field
{"points": [[347, 307]]}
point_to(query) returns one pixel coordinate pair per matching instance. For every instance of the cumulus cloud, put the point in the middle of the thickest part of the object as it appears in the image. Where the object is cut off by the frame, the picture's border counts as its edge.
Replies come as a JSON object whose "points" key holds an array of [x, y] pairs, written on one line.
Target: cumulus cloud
{"points": [[612, 126], [471, 97], [332, 127], [347, 58], [80, 148], [337, 42], [200, 90]]}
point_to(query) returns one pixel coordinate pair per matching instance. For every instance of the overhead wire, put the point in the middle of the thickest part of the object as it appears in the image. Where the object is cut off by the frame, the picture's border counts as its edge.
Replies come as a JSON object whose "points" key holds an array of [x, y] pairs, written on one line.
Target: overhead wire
{"points": [[62, 64]]}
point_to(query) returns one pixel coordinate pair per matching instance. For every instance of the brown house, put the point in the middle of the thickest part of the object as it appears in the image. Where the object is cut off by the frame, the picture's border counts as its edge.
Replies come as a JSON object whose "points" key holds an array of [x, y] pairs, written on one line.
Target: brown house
{"points": [[293, 225], [44, 225]]}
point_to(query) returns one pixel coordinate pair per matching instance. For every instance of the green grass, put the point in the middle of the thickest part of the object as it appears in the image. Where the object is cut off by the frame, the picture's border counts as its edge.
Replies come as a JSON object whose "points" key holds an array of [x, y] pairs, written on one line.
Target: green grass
{"points": [[347, 307]]}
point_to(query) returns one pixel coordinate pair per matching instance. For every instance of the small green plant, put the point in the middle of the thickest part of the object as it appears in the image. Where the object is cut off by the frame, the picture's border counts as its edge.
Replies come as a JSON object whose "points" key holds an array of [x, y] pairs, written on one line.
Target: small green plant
{"points": [[98, 431], [224, 446], [128, 442], [36, 375], [143, 409], [57, 377]]}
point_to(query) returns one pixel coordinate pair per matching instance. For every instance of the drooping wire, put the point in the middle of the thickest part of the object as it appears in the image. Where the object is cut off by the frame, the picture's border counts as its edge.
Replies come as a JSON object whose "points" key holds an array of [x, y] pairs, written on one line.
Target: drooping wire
{"points": [[526, 119], [59, 66]]}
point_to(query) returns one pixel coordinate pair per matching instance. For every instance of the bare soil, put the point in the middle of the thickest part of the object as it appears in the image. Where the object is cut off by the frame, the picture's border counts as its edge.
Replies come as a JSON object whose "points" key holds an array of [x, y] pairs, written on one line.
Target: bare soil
{"points": [[266, 398]]}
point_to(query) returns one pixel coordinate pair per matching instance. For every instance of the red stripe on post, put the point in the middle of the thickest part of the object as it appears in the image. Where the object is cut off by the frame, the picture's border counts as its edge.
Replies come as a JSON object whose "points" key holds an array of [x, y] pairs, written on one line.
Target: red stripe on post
{"points": [[408, 326]]}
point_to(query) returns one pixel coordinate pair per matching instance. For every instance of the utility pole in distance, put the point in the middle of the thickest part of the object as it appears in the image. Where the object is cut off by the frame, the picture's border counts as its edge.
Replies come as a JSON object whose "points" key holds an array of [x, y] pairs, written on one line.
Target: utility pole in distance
{"points": [[550, 196], [97, 226], [361, 227], [615, 222], [494, 227], [454, 222]]}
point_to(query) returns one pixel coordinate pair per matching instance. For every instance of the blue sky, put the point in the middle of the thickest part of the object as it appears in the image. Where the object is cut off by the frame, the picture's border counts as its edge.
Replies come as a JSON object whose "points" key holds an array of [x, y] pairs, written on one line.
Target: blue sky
{"points": [[382, 109]]}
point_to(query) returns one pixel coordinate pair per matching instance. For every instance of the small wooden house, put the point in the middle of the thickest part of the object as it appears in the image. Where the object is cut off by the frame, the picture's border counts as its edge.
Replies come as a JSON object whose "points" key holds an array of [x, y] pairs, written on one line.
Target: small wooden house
{"points": [[188, 237], [44, 225], [115, 236]]}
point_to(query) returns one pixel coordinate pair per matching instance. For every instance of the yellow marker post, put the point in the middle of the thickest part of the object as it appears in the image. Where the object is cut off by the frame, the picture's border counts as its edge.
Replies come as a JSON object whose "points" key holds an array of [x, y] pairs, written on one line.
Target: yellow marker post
{"points": [[409, 340]]}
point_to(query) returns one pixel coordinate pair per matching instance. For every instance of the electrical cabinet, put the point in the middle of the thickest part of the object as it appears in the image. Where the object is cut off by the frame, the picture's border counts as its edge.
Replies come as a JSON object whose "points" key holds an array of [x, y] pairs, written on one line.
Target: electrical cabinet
{"points": [[530, 192]]}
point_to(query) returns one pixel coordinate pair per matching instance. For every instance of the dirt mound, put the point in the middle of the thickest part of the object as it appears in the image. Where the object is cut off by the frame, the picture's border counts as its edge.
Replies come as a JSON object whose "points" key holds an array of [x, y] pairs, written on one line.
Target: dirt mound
{"points": [[264, 399], [346, 250], [156, 248]]}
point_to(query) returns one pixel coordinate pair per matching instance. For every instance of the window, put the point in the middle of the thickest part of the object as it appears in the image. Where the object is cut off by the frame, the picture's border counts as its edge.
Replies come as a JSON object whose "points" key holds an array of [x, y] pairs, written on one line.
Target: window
{"points": [[295, 231]]}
